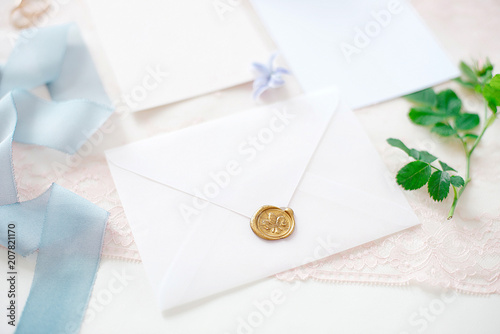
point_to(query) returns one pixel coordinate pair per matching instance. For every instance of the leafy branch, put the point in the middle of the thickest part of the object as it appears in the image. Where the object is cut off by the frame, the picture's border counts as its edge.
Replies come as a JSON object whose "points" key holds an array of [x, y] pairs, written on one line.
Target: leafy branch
{"points": [[442, 113]]}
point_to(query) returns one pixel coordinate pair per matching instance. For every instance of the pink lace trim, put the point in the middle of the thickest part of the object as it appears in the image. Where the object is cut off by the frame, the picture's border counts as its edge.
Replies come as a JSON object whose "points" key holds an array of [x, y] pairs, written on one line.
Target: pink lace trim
{"points": [[454, 255], [463, 254]]}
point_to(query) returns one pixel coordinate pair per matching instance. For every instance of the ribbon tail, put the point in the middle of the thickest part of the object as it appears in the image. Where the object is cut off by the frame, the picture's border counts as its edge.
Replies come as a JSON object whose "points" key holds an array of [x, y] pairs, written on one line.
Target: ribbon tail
{"points": [[70, 232]]}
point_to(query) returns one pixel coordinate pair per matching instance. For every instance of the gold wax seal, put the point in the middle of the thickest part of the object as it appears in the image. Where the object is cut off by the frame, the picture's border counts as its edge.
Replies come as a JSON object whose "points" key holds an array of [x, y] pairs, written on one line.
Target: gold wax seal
{"points": [[273, 223]]}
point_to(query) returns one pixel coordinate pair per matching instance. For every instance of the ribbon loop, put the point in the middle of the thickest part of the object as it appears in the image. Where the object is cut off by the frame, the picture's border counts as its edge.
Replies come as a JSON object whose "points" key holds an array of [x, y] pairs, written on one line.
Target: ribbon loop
{"points": [[66, 229]]}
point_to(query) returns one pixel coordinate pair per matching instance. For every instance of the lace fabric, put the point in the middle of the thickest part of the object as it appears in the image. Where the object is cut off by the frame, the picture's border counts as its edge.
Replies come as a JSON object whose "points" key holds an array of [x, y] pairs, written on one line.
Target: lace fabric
{"points": [[454, 254], [463, 253]]}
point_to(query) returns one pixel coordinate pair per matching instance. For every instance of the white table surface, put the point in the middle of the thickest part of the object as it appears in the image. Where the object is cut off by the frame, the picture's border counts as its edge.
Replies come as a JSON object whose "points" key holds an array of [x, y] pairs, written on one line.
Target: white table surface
{"points": [[123, 302]]}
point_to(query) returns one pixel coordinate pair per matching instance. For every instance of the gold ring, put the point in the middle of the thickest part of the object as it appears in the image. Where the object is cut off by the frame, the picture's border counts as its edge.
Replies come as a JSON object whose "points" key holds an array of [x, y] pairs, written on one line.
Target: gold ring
{"points": [[23, 14]]}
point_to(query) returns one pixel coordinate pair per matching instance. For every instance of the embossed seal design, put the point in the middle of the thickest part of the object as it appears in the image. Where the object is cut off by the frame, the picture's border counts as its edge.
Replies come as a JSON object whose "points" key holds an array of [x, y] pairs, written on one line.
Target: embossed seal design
{"points": [[273, 223]]}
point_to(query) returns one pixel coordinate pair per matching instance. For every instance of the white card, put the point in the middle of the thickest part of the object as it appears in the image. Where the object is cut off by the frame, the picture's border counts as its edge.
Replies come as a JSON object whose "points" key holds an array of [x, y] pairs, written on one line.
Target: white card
{"points": [[164, 51], [373, 50]]}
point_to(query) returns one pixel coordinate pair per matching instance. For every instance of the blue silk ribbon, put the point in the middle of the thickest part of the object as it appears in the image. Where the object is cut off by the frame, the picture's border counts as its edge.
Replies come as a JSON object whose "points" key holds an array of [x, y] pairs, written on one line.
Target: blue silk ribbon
{"points": [[66, 229]]}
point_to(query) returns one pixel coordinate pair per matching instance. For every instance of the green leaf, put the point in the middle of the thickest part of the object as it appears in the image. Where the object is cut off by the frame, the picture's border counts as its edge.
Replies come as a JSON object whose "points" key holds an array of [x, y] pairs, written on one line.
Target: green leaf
{"points": [[468, 72], [426, 157], [479, 89], [445, 167], [466, 121], [470, 136], [425, 97], [415, 154], [457, 181], [439, 185], [414, 175], [493, 106], [467, 84], [495, 82], [425, 116], [399, 144], [448, 102], [443, 129], [491, 93], [485, 73]]}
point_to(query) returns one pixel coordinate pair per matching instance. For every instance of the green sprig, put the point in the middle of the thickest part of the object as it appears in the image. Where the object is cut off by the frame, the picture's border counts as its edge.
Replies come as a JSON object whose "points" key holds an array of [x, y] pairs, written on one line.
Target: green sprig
{"points": [[442, 113]]}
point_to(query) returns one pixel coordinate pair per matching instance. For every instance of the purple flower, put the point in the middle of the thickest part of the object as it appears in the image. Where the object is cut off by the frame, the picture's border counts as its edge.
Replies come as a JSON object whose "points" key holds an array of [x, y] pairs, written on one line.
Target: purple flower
{"points": [[267, 76]]}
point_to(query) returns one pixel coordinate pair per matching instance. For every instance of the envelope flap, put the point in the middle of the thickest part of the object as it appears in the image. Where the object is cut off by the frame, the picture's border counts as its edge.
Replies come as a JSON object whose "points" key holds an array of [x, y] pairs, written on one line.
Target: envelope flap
{"points": [[241, 162]]}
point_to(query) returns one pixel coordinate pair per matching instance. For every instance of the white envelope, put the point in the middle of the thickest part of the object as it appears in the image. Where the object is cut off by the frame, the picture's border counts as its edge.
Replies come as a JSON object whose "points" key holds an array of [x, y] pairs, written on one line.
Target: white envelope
{"points": [[164, 51], [373, 50], [189, 195]]}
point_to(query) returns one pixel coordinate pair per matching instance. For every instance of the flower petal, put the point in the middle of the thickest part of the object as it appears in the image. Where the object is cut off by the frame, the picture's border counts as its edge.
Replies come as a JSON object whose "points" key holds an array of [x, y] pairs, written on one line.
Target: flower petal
{"points": [[281, 70], [261, 68], [259, 90], [270, 63], [276, 81], [260, 81]]}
